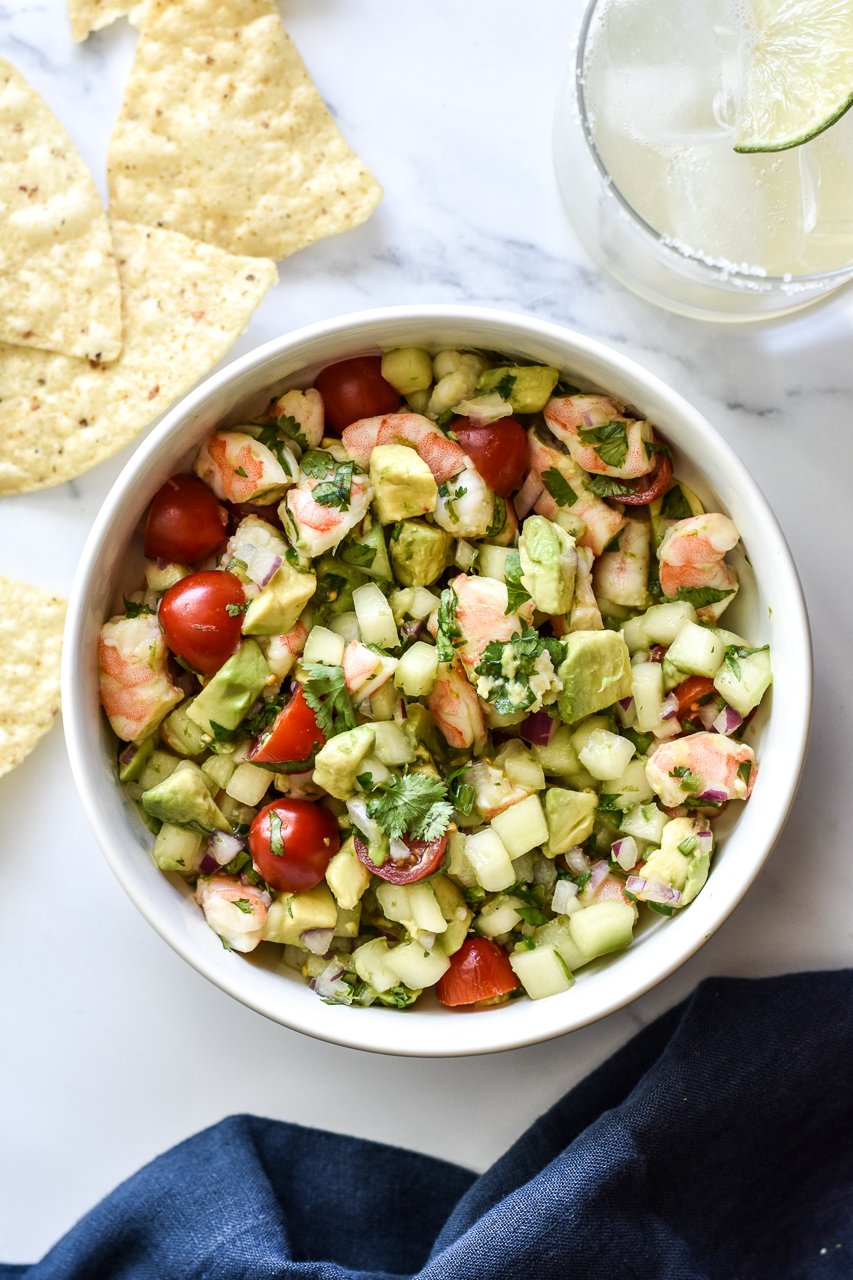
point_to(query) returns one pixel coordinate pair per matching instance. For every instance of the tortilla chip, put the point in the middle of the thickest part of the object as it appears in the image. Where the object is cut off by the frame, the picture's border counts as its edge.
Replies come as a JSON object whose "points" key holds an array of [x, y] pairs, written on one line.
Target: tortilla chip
{"points": [[92, 15], [222, 134], [59, 286], [31, 622], [184, 304]]}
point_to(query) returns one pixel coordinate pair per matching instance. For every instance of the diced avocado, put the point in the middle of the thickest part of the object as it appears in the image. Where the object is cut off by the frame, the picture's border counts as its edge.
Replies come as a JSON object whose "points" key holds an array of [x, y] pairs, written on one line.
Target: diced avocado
{"points": [[548, 564], [367, 552], [226, 698], [408, 369], [158, 766], [347, 876], [393, 744], [527, 387], [131, 770], [596, 673], [349, 921], [178, 849], [422, 726], [180, 733], [697, 874], [159, 577], [402, 482], [276, 610], [666, 866], [415, 966], [292, 914], [339, 761], [419, 552], [570, 816], [185, 800], [499, 915], [336, 583]]}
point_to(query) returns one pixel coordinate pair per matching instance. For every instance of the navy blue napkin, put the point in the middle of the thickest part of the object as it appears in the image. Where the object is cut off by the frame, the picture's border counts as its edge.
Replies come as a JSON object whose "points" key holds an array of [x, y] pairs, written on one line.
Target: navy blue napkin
{"points": [[717, 1145]]}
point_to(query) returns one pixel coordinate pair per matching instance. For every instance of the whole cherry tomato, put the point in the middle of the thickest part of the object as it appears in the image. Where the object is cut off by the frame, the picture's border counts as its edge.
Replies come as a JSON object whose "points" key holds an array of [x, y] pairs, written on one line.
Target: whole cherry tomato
{"points": [[497, 449], [425, 857], [293, 735], [353, 389], [292, 843], [479, 970], [650, 486], [201, 616], [185, 521], [693, 693]]}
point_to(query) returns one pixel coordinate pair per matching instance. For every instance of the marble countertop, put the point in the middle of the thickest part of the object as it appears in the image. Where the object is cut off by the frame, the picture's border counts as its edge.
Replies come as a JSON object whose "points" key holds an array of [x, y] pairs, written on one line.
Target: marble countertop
{"points": [[114, 1048]]}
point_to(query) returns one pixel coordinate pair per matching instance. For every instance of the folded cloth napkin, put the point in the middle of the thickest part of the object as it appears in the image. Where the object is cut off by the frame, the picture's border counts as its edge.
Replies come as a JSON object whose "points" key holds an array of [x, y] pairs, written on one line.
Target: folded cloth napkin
{"points": [[717, 1144]]}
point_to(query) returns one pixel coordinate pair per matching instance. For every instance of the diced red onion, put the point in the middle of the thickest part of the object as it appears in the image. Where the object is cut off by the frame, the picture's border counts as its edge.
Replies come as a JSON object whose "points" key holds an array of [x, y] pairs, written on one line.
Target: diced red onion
{"points": [[398, 849], [587, 418], [576, 860], [538, 728], [411, 630], [223, 847], [317, 941], [625, 713], [713, 797], [261, 563], [529, 494], [328, 984], [653, 890], [208, 865], [707, 714], [129, 753], [727, 721], [669, 707], [597, 872], [705, 841], [667, 729], [564, 893], [624, 852]]}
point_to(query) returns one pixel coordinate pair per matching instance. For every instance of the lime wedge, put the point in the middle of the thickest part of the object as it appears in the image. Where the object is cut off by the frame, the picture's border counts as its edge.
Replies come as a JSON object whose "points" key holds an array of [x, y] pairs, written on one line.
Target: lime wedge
{"points": [[799, 75]]}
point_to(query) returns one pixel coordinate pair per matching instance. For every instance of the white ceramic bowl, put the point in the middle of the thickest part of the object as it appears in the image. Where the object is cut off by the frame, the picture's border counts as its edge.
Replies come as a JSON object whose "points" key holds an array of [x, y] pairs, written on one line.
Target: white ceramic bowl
{"points": [[769, 608]]}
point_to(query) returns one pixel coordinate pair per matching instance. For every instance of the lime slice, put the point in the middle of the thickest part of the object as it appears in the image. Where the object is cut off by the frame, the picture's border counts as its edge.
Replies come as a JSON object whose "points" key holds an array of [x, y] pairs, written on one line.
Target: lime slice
{"points": [[799, 77]]}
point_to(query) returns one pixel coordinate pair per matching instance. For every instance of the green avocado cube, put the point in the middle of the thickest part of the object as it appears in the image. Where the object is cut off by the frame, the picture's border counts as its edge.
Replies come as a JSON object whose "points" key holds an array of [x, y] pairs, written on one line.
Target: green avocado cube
{"points": [[276, 610], [419, 552], [184, 800], [402, 482], [548, 564], [227, 696], [595, 673], [571, 818], [527, 387], [293, 914]]}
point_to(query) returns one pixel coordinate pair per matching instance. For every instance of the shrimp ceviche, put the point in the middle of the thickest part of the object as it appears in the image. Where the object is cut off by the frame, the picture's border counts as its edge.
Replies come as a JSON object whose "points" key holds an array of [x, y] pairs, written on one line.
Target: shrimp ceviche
{"points": [[426, 683]]}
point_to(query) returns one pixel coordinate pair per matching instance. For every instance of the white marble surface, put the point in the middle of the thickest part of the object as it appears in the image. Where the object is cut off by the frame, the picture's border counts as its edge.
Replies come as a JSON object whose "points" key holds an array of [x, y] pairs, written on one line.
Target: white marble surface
{"points": [[113, 1048]]}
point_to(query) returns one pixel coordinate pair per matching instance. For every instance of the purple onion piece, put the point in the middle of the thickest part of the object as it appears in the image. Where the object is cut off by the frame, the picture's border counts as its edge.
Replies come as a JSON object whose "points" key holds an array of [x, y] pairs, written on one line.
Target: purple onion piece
{"points": [[529, 494], [598, 872], [317, 941], [273, 566], [223, 847], [576, 860], [208, 865], [130, 752], [727, 721], [713, 797], [708, 715], [538, 728], [652, 890], [669, 707]]}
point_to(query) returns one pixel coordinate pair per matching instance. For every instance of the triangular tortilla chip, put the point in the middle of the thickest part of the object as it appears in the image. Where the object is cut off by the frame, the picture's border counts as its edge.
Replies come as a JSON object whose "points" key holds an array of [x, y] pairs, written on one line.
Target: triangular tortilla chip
{"points": [[31, 622], [59, 285], [92, 15], [222, 134], [184, 304]]}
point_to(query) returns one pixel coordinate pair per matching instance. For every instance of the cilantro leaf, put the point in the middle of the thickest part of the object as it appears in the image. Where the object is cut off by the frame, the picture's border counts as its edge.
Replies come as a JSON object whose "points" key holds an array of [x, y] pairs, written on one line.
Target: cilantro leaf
{"points": [[317, 463], [136, 610], [688, 780], [326, 693], [462, 793], [269, 436], [735, 651], [559, 488], [609, 441], [451, 497], [744, 771], [700, 596], [674, 505], [335, 492], [508, 667], [608, 487], [516, 594], [504, 386], [276, 837], [244, 905], [360, 554], [498, 517], [288, 426], [220, 733], [449, 631], [234, 610], [413, 804]]}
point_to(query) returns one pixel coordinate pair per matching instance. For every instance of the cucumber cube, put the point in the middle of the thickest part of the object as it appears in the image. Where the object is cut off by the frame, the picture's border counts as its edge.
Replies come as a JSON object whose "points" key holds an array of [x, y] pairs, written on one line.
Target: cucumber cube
{"points": [[489, 860], [647, 682], [632, 788], [602, 927], [606, 755], [324, 645], [417, 670], [498, 916], [459, 865], [521, 827], [345, 625], [557, 933], [220, 769], [249, 783], [542, 972], [743, 685], [375, 619], [392, 744], [415, 966], [662, 622], [644, 822], [371, 965], [492, 562], [177, 849], [696, 650]]}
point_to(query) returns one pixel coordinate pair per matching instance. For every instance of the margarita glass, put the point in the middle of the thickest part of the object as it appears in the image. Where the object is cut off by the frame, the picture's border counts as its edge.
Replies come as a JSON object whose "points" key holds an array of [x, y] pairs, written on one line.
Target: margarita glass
{"points": [[645, 160]]}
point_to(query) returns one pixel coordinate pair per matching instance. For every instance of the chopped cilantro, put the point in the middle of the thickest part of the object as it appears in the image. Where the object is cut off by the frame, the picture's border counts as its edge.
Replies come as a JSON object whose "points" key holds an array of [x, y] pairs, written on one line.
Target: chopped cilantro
{"points": [[413, 804], [261, 720], [509, 666], [474, 894], [317, 463], [700, 596], [365, 781], [462, 794], [609, 802], [688, 845], [531, 915], [559, 488], [270, 438], [449, 631], [360, 554], [234, 610], [276, 837], [244, 905], [444, 418], [674, 505], [642, 741], [734, 652], [744, 771], [136, 610], [504, 386], [288, 426], [688, 780], [609, 441], [498, 517], [220, 733], [516, 594], [451, 497], [241, 471], [608, 487], [326, 693], [335, 492]]}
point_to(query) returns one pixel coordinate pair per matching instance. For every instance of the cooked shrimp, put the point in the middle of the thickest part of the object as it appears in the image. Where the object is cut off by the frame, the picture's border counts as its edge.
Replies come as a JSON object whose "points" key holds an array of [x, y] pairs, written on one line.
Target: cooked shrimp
{"points": [[236, 911], [482, 615], [585, 614], [136, 691], [601, 521], [306, 409], [600, 437], [691, 557], [466, 505], [282, 651], [622, 576], [445, 458], [607, 889], [365, 670], [703, 766], [239, 468], [492, 788], [314, 527], [456, 708]]}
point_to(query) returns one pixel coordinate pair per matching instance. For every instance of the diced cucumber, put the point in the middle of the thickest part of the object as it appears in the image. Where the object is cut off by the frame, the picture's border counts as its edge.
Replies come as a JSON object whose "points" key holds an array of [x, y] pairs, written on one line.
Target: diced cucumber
{"points": [[489, 859], [584, 731], [345, 625], [370, 961], [413, 905], [602, 927], [521, 766], [239, 815], [392, 744], [558, 758], [606, 755], [557, 933], [744, 680], [634, 634], [631, 789], [647, 686], [521, 827], [375, 619], [696, 650], [415, 966], [464, 555], [160, 577], [498, 916], [417, 670], [178, 849], [542, 971], [158, 766], [368, 553], [413, 602], [662, 622], [408, 369], [219, 768], [347, 876], [459, 865], [384, 702], [644, 822], [492, 562], [249, 783], [323, 645], [180, 733]]}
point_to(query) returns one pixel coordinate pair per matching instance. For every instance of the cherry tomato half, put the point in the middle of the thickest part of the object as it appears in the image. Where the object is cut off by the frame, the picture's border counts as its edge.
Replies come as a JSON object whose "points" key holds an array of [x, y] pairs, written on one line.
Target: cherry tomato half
{"points": [[353, 389], [650, 486], [195, 618], [293, 735], [185, 522], [426, 856], [292, 843], [479, 970], [497, 449], [693, 693], [238, 511]]}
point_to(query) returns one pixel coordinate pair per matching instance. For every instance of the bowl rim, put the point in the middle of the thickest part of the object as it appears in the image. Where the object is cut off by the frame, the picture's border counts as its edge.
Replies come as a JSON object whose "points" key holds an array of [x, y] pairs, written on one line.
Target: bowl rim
{"points": [[470, 1036]]}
